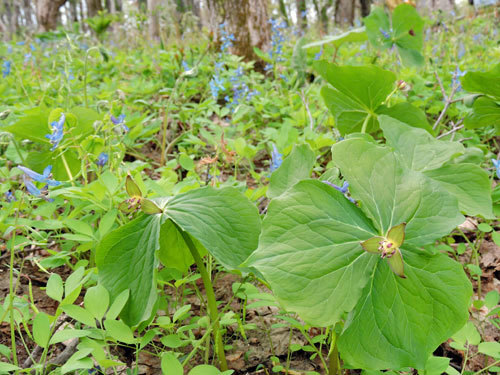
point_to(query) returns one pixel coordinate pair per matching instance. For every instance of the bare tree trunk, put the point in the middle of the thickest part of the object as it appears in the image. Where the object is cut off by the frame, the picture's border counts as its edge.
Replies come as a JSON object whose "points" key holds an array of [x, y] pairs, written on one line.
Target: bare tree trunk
{"points": [[28, 13], [119, 5], [73, 10], [47, 13], [301, 9], [344, 12], [154, 19], [93, 7], [365, 7], [247, 20]]}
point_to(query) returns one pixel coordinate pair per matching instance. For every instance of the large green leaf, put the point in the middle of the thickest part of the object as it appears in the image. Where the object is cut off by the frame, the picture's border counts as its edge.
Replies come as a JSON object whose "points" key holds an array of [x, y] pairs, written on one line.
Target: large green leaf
{"points": [[174, 252], [297, 166], [485, 112], [225, 222], [34, 126], [399, 322], [404, 30], [125, 259], [469, 184], [422, 152], [407, 113], [357, 92], [418, 149], [391, 194], [483, 82], [310, 251]]}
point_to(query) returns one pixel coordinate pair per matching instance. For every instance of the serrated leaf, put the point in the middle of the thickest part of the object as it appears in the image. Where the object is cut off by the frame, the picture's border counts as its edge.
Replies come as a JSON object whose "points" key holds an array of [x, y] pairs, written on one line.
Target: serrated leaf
{"points": [[296, 166]]}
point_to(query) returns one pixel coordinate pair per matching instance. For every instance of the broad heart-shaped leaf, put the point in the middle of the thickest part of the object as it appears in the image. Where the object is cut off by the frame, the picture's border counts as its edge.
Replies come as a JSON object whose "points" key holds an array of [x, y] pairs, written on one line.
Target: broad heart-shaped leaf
{"points": [[418, 149], [405, 32], [399, 322], [471, 186], [483, 82], [33, 126], [357, 92], [354, 35], [225, 222], [485, 112], [407, 113], [297, 166], [391, 194], [174, 253], [310, 253], [125, 259], [422, 152]]}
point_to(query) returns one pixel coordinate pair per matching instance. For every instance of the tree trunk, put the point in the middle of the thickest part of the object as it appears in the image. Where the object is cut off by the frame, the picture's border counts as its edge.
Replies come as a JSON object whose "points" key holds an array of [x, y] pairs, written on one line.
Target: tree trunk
{"points": [[344, 12], [365, 7], [73, 11], [119, 5], [47, 13], [93, 7], [301, 9], [323, 15], [247, 20], [153, 19], [28, 13]]}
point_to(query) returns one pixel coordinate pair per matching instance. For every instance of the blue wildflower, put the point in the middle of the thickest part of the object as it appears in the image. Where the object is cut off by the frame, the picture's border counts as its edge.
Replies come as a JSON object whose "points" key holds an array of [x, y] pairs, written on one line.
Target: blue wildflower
{"points": [[318, 55], [276, 159], [120, 121], [9, 49], [27, 57], [32, 47], [21, 43], [385, 33], [9, 196], [461, 51], [226, 39], [57, 132], [45, 177], [277, 40], [456, 78], [496, 164], [268, 67], [102, 159], [216, 84], [6, 67], [185, 66], [344, 189]]}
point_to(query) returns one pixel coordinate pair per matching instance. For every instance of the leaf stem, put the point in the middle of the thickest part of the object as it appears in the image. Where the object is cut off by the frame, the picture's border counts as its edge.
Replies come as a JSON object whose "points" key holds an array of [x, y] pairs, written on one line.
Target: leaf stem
{"points": [[212, 302], [333, 356], [365, 124]]}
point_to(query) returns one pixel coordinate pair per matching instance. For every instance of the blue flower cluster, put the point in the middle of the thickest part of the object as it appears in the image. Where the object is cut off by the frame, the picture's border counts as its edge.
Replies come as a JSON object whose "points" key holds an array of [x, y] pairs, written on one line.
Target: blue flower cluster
{"points": [[319, 54], [120, 121], [57, 132], [276, 159], [385, 34], [216, 83], [6, 67], [45, 178], [496, 164], [102, 159], [277, 41], [241, 91], [226, 38], [344, 189], [456, 78]]}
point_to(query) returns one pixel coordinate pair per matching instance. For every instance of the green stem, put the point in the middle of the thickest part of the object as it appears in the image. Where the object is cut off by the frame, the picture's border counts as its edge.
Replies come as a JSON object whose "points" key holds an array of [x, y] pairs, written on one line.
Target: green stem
{"points": [[85, 76], [212, 302], [68, 171], [365, 124], [333, 356]]}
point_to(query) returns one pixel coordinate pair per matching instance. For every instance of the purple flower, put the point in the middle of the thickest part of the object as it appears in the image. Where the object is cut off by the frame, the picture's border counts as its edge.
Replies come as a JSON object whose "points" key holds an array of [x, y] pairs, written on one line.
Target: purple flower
{"points": [[6, 67], [102, 159], [385, 33], [318, 55], [9, 196], [44, 177], [57, 132], [344, 189], [120, 121], [276, 159]]}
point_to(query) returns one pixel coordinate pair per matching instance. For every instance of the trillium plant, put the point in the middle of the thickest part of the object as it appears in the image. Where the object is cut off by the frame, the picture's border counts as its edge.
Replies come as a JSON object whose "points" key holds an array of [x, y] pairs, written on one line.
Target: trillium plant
{"points": [[365, 263]]}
